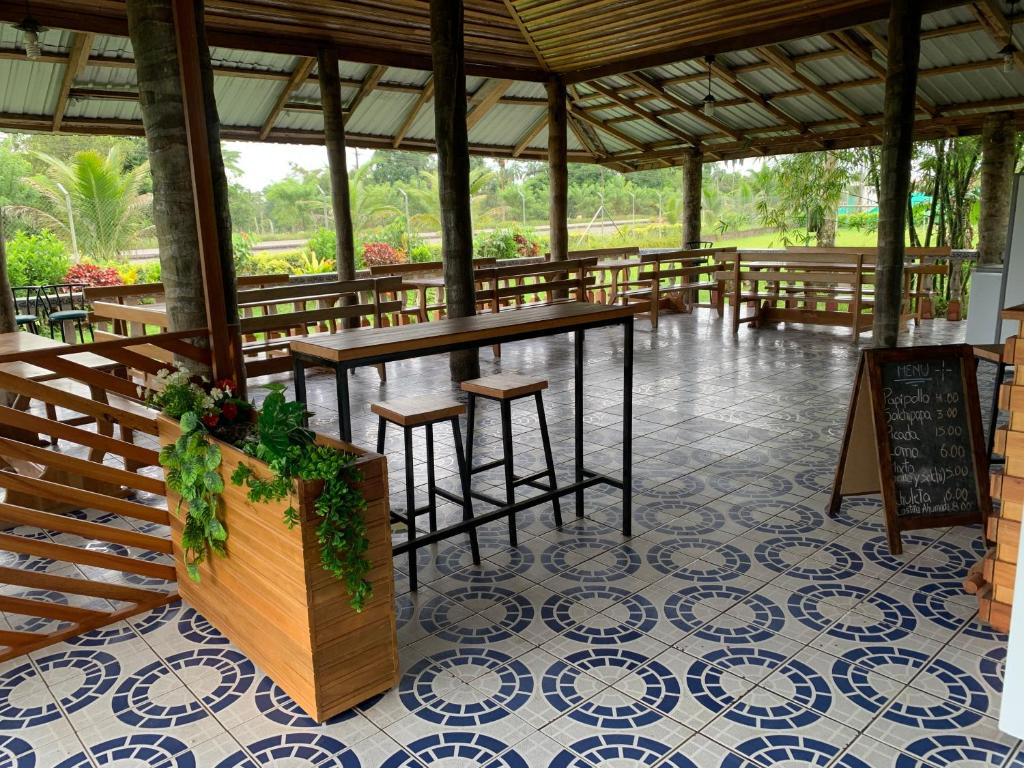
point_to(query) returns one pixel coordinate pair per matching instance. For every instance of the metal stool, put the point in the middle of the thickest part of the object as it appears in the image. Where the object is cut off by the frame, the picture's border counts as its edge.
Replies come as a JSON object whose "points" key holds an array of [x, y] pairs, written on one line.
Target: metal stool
{"points": [[426, 411], [505, 388]]}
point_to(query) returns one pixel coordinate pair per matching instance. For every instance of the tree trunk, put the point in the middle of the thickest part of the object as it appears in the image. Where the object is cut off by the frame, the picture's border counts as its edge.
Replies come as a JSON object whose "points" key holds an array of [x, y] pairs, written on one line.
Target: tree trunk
{"points": [[894, 176], [940, 163], [693, 175], [558, 170], [151, 29], [915, 240], [446, 45], [827, 229], [337, 162], [8, 307], [998, 157]]}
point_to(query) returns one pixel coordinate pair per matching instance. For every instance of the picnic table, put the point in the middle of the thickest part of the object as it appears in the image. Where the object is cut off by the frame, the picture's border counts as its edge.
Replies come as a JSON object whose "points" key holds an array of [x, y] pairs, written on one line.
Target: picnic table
{"points": [[367, 346]]}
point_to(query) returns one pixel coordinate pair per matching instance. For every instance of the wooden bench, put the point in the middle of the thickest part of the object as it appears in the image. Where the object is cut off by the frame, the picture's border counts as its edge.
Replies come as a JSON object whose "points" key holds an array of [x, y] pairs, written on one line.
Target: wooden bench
{"points": [[687, 273], [417, 280], [790, 287], [613, 266]]}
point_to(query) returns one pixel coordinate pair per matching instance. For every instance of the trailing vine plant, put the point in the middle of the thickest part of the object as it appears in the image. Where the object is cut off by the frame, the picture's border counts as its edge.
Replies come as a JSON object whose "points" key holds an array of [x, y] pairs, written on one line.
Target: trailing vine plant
{"points": [[275, 435]]}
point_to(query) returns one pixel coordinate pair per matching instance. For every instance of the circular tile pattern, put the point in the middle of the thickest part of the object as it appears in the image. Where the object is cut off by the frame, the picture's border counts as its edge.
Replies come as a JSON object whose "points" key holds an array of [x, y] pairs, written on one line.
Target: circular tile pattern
{"points": [[889, 620], [960, 687], [680, 489], [661, 692], [952, 750], [16, 753], [278, 707], [140, 749], [677, 553], [780, 715], [735, 659], [641, 615], [705, 680], [785, 749], [297, 749], [37, 623], [682, 606], [196, 628], [942, 560], [156, 618], [992, 668], [464, 749], [95, 638], [726, 562], [583, 550], [98, 671], [518, 613], [418, 687], [133, 705], [755, 513], [618, 749], [817, 478], [806, 557], [937, 602], [701, 521], [798, 519], [806, 604]]}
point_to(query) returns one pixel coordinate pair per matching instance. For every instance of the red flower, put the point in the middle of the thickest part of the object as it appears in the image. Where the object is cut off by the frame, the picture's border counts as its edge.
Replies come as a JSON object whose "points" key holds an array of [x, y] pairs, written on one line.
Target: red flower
{"points": [[228, 385], [211, 420], [229, 411]]}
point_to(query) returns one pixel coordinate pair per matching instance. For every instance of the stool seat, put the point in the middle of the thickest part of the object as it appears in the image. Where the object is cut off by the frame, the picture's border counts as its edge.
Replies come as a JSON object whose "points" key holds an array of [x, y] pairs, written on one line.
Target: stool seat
{"points": [[415, 411], [991, 352], [505, 386]]}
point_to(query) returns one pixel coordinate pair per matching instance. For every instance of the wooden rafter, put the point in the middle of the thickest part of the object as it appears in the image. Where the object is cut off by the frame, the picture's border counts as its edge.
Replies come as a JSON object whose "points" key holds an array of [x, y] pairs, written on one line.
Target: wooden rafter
{"points": [[299, 76], [998, 26], [625, 138], [366, 87], [645, 82], [725, 73], [630, 106], [530, 135], [783, 61], [484, 99], [864, 55], [81, 46], [518, 19], [410, 117]]}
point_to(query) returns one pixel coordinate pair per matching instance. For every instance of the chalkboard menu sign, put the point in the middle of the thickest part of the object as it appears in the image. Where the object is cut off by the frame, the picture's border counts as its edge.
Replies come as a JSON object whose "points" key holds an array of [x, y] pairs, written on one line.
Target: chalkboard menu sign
{"points": [[914, 435]]}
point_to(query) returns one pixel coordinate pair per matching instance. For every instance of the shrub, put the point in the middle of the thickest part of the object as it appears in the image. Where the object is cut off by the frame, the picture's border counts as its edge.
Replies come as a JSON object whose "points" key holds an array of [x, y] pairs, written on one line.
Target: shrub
{"points": [[278, 262], [506, 243], [87, 273], [149, 272], [324, 244], [376, 254], [38, 259], [423, 252], [314, 265], [241, 248]]}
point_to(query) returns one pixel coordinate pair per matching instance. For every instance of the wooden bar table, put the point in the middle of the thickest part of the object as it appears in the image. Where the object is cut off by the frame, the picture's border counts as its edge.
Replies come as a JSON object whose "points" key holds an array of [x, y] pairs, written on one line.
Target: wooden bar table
{"points": [[349, 349]]}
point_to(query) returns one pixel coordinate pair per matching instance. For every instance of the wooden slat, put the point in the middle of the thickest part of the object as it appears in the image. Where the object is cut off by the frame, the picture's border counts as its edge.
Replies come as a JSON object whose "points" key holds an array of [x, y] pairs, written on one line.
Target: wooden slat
{"points": [[76, 586], [86, 528], [31, 423], [11, 638], [58, 611], [82, 556], [81, 47], [425, 95], [485, 99], [81, 467], [298, 77], [82, 499], [366, 88]]}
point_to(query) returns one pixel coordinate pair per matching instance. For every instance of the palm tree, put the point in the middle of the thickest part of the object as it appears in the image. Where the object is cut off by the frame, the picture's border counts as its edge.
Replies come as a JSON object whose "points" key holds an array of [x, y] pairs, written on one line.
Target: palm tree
{"points": [[108, 208]]}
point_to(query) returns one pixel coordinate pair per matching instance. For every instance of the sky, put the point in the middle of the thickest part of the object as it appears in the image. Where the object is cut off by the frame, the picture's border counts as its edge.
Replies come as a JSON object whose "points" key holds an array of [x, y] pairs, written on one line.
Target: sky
{"points": [[262, 164]]}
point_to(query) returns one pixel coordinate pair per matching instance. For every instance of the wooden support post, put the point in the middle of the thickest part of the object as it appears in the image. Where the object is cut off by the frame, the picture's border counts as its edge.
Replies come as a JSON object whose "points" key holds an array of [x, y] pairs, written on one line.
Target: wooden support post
{"points": [[693, 175], [446, 45], [209, 191], [998, 156], [897, 150], [558, 169], [8, 305], [337, 163]]}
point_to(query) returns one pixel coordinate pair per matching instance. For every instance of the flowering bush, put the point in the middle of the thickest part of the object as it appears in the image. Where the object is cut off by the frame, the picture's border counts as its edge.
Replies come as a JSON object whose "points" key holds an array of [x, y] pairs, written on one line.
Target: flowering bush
{"points": [[92, 274], [376, 254], [179, 392]]}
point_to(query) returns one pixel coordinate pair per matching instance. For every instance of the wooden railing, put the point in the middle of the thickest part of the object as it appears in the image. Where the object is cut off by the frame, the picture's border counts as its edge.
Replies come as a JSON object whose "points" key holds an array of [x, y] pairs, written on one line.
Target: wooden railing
{"points": [[84, 516]]}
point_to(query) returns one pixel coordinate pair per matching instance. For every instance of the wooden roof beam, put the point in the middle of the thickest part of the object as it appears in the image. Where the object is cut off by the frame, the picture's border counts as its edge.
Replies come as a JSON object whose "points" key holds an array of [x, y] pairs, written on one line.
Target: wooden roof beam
{"points": [[865, 56], [733, 79], [81, 47], [625, 138], [410, 117], [530, 135], [998, 26], [645, 114], [525, 32], [645, 82], [366, 87], [299, 76], [484, 100]]}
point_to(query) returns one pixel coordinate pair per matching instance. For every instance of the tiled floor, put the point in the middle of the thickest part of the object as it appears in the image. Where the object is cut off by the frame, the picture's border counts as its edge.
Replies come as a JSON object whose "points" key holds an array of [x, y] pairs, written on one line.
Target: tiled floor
{"points": [[740, 626]]}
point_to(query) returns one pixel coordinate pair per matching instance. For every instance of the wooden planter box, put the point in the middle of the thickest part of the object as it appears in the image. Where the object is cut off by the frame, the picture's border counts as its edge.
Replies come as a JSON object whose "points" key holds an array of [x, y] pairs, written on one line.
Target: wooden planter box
{"points": [[271, 597]]}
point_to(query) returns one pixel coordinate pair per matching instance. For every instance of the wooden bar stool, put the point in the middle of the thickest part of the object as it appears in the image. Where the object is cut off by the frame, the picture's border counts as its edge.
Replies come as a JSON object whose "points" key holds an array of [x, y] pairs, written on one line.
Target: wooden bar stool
{"points": [[505, 388], [426, 411]]}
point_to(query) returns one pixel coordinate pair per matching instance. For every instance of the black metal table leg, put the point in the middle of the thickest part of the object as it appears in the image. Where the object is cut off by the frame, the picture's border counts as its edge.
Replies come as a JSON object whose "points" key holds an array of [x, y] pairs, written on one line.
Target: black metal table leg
{"points": [[344, 408], [542, 421], [627, 427], [578, 415], [467, 497], [510, 483]]}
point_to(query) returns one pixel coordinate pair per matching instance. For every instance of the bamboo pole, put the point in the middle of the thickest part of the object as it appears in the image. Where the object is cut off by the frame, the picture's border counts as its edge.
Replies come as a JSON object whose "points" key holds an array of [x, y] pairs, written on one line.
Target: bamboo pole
{"points": [[897, 151], [446, 45]]}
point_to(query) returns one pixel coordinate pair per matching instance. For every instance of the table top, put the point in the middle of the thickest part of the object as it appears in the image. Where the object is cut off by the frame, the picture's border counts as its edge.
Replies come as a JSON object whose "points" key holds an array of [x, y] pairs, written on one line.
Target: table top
{"points": [[479, 330], [19, 342], [423, 281]]}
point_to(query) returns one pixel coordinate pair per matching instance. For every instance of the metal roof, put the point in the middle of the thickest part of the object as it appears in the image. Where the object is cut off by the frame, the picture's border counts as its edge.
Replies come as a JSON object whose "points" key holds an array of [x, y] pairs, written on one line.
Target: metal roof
{"points": [[824, 90]]}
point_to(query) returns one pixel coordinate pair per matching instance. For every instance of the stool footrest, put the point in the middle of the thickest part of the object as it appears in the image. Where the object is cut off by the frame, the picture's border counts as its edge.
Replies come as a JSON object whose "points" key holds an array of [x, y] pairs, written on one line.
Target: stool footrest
{"points": [[452, 497], [530, 479], [486, 466]]}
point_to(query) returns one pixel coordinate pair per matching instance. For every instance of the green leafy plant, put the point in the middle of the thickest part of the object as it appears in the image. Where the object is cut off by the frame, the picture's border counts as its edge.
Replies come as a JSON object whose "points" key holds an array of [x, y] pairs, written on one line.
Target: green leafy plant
{"points": [[36, 259], [274, 434]]}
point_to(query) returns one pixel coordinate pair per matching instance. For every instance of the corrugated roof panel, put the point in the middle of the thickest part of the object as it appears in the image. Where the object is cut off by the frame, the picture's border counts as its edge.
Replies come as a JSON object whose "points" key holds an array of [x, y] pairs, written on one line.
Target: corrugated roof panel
{"points": [[505, 124], [837, 69], [767, 81], [29, 87], [381, 113], [265, 62], [527, 90], [243, 101], [114, 78], [423, 126], [113, 46], [300, 121], [105, 109], [406, 76], [976, 46], [978, 85]]}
